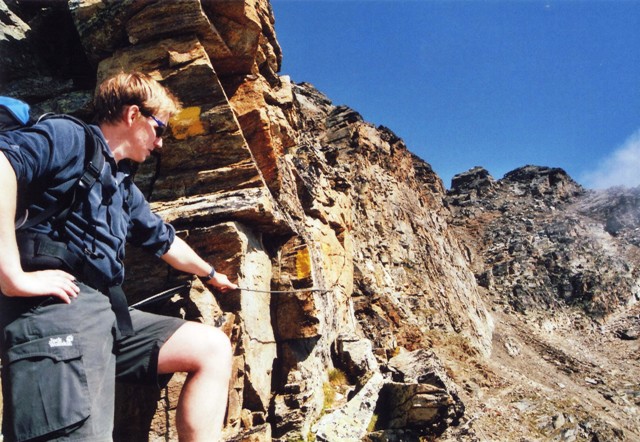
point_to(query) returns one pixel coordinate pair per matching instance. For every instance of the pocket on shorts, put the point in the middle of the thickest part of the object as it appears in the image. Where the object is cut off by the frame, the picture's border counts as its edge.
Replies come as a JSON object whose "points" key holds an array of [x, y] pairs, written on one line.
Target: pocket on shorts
{"points": [[47, 388]]}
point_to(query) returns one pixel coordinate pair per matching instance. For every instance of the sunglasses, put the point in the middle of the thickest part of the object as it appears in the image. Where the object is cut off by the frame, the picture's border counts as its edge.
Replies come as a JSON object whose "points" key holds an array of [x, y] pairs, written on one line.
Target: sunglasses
{"points": [[161, 128]]}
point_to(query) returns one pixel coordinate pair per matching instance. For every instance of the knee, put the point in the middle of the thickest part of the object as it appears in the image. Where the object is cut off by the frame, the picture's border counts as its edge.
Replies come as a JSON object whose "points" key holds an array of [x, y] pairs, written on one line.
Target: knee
{"points": [[194, 348], [215, 348]]}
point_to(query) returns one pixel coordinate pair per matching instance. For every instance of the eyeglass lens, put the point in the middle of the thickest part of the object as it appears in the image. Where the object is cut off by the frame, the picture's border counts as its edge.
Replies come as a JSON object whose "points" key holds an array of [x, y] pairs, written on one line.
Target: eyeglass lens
{"points": [[161, 128]]}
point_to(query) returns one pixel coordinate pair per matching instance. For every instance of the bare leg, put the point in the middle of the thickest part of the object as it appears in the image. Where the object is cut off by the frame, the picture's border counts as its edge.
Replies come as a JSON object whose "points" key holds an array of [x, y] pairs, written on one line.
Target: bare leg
{"points": [[204, 353]]}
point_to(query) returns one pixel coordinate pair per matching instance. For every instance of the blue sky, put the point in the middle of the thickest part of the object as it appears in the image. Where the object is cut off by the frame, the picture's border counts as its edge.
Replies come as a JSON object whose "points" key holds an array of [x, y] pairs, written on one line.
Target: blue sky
{"points": [[498, 84]]}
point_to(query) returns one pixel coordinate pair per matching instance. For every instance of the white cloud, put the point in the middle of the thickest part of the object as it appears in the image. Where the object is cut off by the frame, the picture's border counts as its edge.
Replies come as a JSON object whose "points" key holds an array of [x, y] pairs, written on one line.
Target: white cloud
{"points": [[622, 168]]}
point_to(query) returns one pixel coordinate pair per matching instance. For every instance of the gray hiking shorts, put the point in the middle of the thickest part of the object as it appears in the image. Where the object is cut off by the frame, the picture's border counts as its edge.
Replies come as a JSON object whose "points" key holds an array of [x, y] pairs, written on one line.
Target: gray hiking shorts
{"points": [[60, 363]]}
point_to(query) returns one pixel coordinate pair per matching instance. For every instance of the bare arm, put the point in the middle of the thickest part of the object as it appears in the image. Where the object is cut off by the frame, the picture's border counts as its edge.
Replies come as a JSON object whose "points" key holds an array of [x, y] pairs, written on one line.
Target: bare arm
{"points": [[182, 257], [13, 280]]}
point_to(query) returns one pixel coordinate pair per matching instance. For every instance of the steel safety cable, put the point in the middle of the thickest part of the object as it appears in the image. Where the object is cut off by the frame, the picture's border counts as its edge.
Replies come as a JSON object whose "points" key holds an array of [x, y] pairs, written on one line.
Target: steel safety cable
{"points": [[178, 289], [282, 292]]}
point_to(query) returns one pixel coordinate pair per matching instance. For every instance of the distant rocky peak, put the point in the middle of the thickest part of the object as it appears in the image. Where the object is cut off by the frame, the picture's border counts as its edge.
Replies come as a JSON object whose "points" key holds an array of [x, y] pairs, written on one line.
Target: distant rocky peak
{"points": [[540, 181], [477, 181], [549, 186]]}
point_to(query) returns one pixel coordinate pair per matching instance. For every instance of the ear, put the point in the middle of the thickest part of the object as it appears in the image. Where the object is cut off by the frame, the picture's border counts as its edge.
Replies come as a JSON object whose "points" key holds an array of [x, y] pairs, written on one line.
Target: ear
{"points": [[130, 113]]}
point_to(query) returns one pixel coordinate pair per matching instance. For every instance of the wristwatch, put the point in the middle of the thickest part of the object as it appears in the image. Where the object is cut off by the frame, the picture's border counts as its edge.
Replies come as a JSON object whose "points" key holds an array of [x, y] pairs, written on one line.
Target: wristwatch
{"points": [[211, 274]]}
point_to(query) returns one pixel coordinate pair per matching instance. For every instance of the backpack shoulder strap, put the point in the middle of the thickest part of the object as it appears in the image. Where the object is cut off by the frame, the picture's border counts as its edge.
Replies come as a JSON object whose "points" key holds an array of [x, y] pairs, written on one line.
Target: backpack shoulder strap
{"points": [[94, 161], [94, 158]]}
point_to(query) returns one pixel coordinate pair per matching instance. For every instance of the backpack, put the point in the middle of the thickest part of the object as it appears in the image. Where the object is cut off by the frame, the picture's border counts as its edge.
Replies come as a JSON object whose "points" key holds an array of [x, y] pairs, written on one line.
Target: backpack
{"points": [[14, 114]]}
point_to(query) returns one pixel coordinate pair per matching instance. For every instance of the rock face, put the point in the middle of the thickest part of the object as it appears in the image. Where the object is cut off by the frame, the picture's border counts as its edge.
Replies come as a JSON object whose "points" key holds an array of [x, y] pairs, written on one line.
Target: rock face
{"points": [[379, 326]]}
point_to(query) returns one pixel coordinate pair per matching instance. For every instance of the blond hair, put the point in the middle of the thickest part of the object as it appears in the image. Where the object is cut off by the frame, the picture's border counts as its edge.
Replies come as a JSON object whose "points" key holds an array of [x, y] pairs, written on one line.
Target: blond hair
{"points": [[134, 88]]}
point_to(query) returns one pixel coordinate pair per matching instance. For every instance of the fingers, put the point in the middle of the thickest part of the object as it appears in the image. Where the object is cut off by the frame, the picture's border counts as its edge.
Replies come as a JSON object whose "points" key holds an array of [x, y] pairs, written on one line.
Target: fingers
{"points": [[70, 288], [58, 293], [55, 283], [58, 283], [222, 283], [226, 289]]}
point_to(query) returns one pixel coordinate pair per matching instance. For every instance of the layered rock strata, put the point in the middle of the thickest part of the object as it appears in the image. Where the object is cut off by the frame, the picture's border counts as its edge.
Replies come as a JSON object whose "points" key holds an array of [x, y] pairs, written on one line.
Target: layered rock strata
{"points": [[280, 189]]}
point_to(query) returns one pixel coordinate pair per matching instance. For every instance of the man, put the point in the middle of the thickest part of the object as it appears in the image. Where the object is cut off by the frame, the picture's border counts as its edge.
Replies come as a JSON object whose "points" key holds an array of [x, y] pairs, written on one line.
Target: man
{"points": [[66, 337]]}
